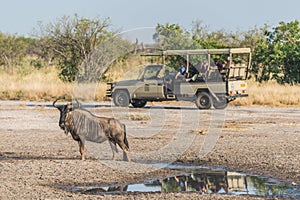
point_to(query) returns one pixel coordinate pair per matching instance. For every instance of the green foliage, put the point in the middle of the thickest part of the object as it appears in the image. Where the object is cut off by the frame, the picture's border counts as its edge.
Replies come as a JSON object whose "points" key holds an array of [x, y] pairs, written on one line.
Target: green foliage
{"points": [[223, 39], [37, 63], [69, 41], [172, 37], [12, 50], [278, 55], [207, 39]]}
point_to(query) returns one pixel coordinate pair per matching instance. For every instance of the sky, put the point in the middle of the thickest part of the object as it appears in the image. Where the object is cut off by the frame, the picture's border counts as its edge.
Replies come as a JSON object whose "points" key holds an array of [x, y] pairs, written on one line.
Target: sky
{"points": [[22, 16]]}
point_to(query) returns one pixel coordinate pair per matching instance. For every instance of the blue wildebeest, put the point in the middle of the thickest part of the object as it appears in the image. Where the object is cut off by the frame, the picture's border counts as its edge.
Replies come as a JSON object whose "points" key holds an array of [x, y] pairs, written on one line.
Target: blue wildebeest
{"points": [[85, 126]]}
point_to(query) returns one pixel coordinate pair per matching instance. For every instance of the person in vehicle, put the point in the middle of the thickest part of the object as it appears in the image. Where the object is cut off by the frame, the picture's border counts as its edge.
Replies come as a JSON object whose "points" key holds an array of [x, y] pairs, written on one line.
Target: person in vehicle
{"points": [[229, 62], [182, 70], [204, 67], [218, 64], [192, 74]]}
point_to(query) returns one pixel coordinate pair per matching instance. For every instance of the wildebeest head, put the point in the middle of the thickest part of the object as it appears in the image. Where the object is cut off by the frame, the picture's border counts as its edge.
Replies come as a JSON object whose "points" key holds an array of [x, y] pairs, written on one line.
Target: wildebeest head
{"points": [[64, 111]]}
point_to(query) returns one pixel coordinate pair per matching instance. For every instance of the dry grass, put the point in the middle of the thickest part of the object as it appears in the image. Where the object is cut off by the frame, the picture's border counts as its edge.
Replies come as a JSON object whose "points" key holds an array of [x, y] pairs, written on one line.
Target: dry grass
{"points": [[128, 69], [34, 86], [44, 85], [138, 117], [29, 83], [270, 94]]}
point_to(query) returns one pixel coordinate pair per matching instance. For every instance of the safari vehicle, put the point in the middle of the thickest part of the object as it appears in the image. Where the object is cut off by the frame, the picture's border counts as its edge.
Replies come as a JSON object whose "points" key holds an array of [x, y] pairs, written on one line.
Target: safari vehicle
{"points": [[210, 87]]}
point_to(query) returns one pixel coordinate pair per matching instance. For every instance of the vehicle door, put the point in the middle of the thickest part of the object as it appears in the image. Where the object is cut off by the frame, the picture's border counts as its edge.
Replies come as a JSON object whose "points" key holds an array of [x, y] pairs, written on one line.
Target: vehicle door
{"points": [[152, 84]]}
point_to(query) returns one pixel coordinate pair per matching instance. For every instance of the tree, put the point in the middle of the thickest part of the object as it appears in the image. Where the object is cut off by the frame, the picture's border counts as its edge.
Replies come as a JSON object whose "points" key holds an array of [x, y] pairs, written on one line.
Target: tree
{"points": [[172, 37], [279, 54], [12, 50], [223, 39], [207, 39], [70, 40]]}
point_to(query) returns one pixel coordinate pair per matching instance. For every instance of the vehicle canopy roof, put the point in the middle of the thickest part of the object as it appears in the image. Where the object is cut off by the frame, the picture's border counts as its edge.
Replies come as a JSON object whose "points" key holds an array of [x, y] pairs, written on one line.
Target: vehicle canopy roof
{"points": [[208, 52], [200, 51]]}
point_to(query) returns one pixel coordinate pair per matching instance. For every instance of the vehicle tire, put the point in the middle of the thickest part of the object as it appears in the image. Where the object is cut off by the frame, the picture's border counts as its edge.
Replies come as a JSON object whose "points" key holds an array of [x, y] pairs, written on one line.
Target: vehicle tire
{"points": [[222, 104], [138, 103], [203, 100], [121, 98]]}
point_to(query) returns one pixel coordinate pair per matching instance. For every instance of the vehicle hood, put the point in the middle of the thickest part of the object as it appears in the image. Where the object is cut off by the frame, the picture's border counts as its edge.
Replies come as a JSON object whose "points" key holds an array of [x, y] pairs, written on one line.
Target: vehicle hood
{"points": [[126, 83]]}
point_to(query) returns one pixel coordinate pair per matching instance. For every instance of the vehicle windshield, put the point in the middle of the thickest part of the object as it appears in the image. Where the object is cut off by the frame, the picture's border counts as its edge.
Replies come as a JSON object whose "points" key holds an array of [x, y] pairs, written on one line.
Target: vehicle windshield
{"points": [[150, 72]]}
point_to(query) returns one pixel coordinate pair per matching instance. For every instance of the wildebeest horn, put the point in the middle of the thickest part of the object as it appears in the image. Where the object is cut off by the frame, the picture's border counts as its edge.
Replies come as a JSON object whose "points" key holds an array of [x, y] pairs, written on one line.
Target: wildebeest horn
{"points": [[55, 102], [61, 97]]}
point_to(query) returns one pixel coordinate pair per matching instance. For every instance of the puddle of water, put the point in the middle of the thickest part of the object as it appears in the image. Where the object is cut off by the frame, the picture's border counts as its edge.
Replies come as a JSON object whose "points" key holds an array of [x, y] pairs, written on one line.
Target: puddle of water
{"points": [[199, 179]]}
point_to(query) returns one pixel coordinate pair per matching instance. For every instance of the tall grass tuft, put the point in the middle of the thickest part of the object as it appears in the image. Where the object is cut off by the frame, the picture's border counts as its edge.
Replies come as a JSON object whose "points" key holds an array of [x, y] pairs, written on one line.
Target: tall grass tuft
{"points": [[44, 85], [270, 94]]}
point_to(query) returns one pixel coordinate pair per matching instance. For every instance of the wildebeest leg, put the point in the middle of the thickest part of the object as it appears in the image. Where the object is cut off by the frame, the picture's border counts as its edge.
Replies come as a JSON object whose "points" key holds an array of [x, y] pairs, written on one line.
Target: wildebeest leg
{"points": [[125, 149], [123, 143], [114, 149], [126, 156], [81, 149]]}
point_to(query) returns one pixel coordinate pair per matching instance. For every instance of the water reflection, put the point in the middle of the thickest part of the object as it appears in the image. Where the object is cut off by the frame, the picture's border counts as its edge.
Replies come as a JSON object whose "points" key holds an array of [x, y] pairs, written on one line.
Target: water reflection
{"points": [[221, 182], [203, 181], [101, 190]]}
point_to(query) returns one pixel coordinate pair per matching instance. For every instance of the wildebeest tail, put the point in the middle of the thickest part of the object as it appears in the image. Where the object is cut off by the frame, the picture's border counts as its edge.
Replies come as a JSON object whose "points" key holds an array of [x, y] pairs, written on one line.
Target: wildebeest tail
{"points": [[125, 138]]}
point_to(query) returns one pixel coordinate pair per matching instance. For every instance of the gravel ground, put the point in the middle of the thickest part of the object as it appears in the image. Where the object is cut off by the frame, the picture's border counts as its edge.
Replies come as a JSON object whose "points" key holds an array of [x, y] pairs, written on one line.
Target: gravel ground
{"points": [[38, 161]]}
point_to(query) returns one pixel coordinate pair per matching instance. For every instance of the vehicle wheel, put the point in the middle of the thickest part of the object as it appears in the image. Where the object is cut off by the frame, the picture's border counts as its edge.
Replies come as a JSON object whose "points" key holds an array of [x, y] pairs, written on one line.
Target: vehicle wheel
{"points": [[220, 104], [203, 100], [138, 103], [121, 98]]}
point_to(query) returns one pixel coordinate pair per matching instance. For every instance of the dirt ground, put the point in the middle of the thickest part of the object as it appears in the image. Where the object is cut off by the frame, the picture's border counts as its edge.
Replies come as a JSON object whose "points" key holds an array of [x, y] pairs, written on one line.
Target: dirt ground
{"points": [[37, 160]]}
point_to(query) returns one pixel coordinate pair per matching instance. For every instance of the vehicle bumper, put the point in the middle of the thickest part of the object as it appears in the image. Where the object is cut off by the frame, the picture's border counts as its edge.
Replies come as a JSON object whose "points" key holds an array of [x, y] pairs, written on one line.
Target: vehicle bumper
{"points": [[233, 97], [109, 90]]}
